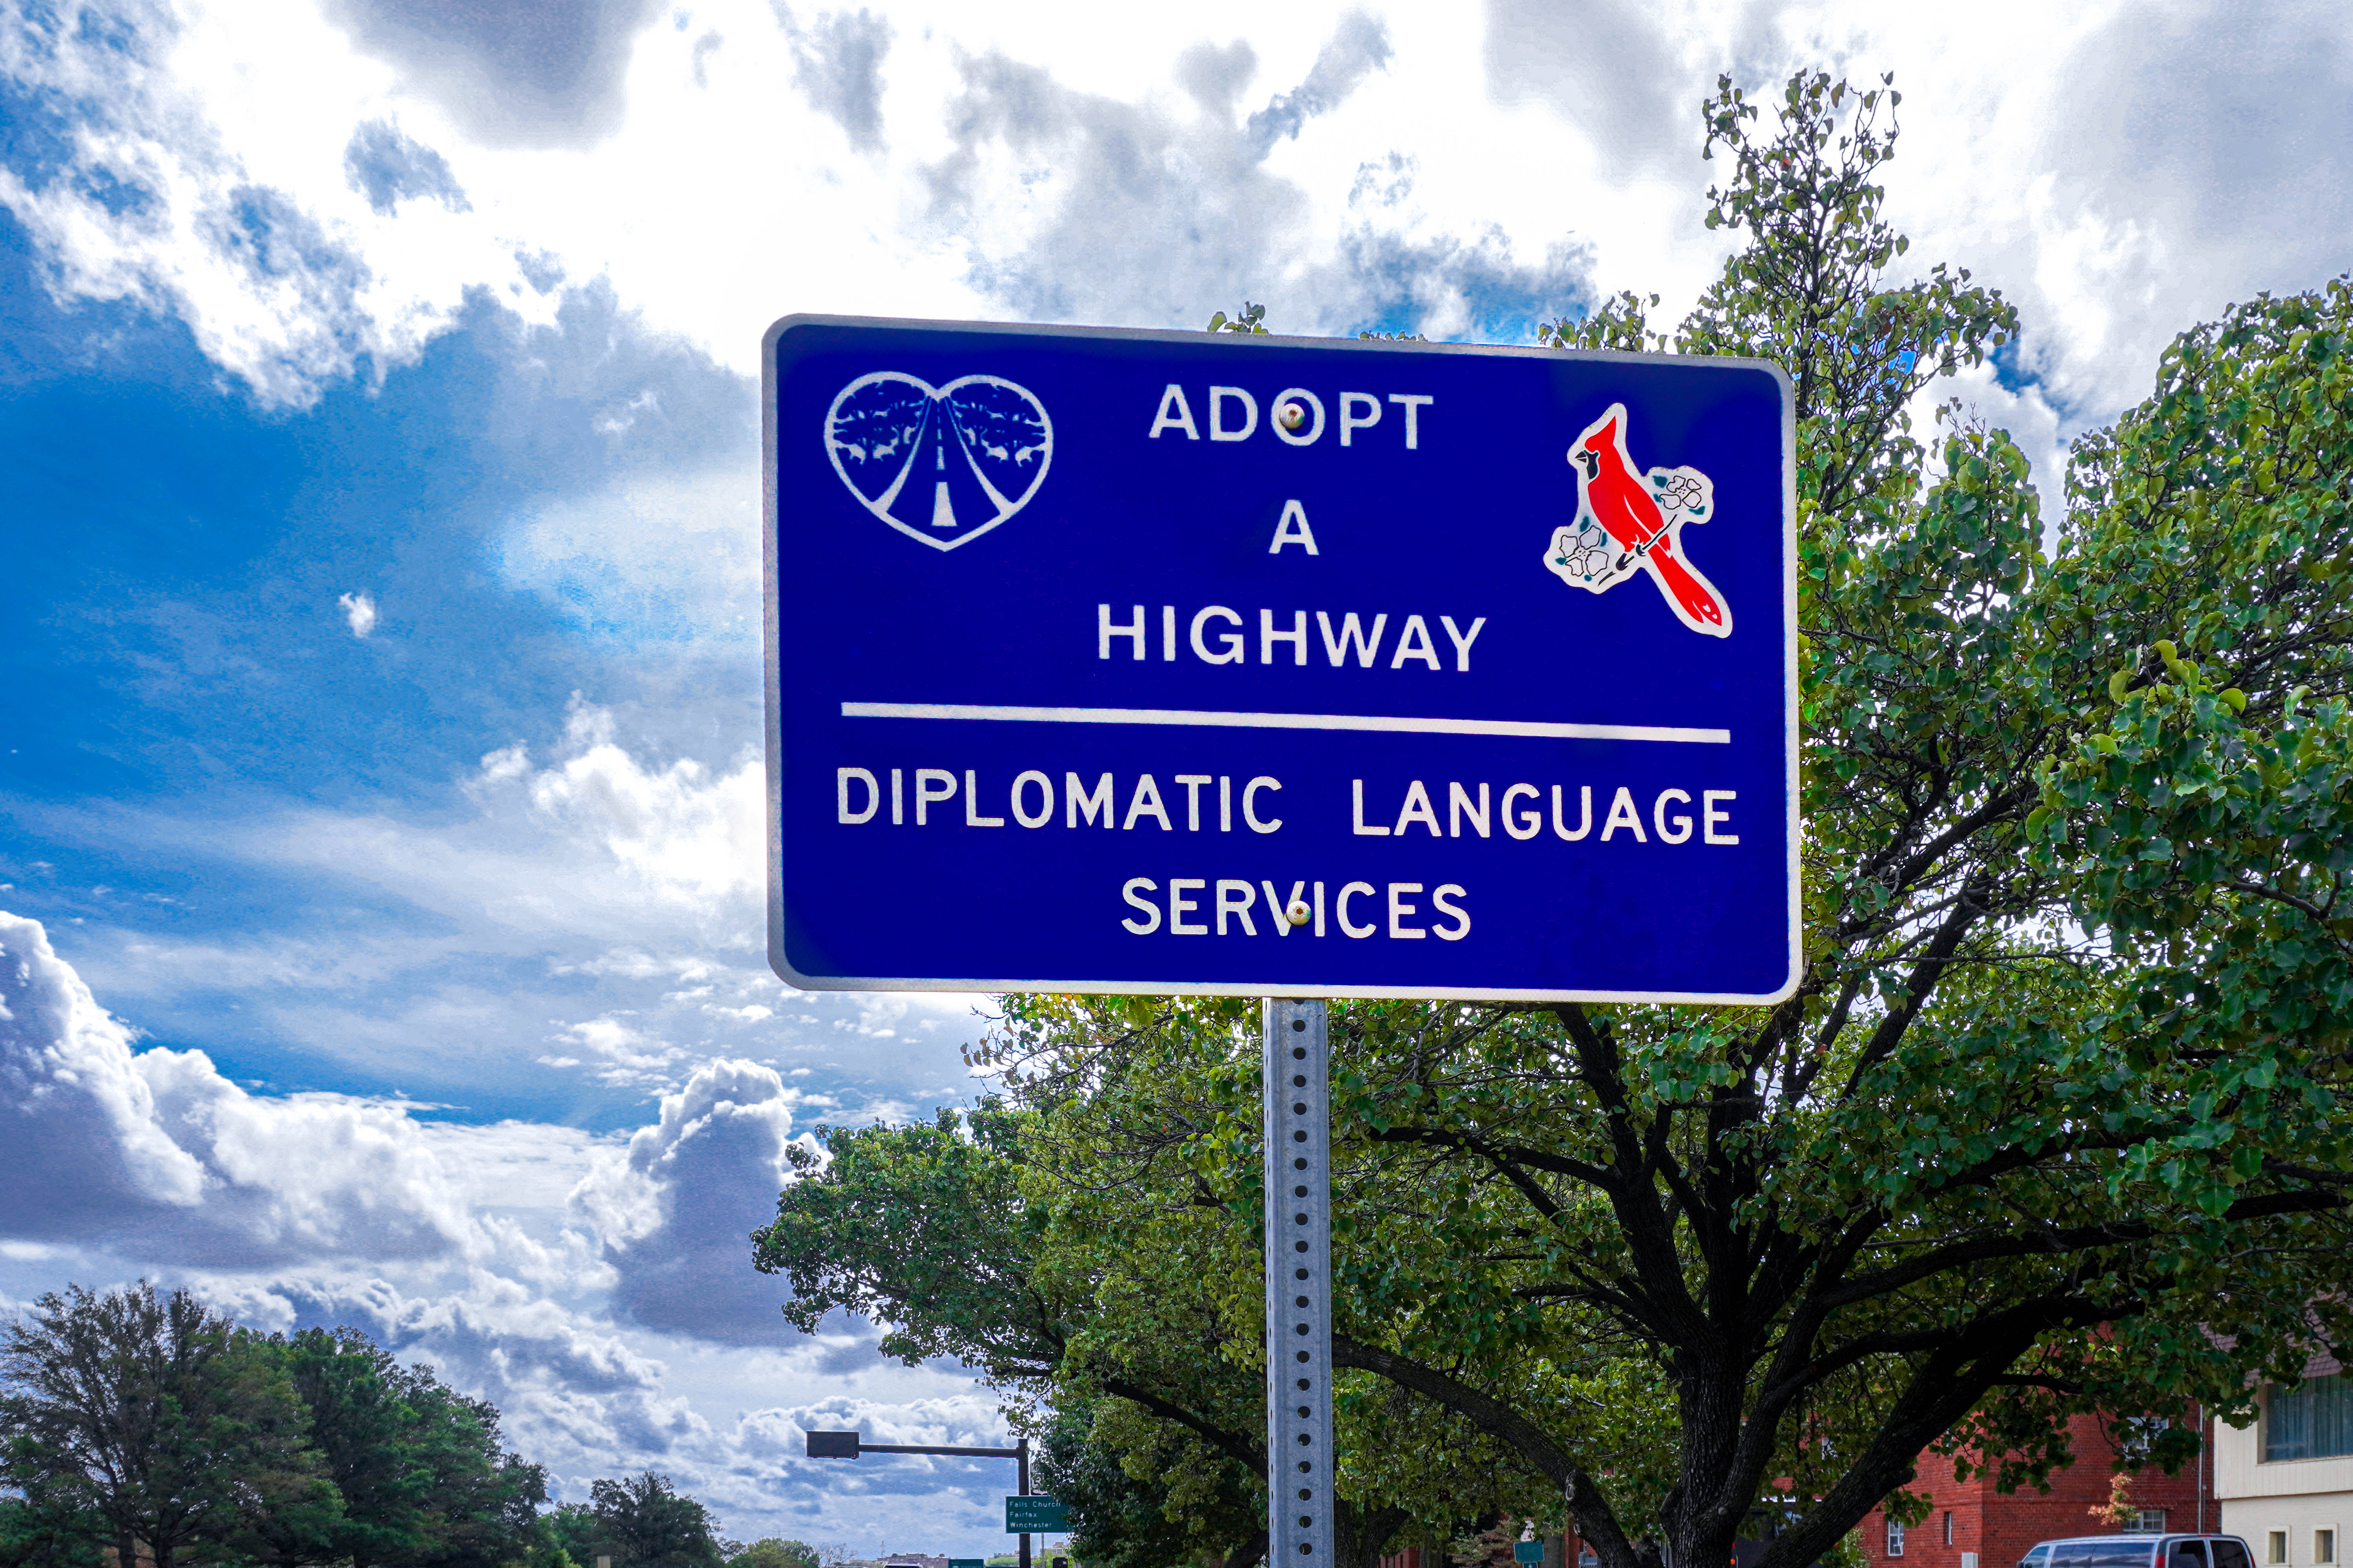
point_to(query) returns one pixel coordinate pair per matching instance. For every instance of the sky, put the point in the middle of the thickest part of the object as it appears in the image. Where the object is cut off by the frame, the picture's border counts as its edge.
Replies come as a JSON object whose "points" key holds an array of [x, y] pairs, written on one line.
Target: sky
{"points": [[380, 883]]}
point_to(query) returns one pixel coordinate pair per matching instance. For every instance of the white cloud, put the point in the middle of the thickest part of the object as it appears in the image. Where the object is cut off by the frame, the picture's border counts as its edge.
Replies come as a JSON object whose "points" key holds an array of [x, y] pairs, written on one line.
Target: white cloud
{"points": [[599, 1292], [655, 559], [307, 192], [530, 75], [158, 1143], [2129, 173], [971, 1419], [683, 832], [1078, 206], [199, 182], [625, 1053], [590, 907], [575, 1394], [359, 612], [87, 1131], [674, 1212], [620, 863], [506, 763]]}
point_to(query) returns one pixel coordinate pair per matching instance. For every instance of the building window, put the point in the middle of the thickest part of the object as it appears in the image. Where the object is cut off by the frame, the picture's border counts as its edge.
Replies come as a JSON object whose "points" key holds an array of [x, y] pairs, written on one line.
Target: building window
{"points": [[2275, 1546], [1895, 1538], [2312, 1421], [2149, 1521], [1949, 1527], [2324, 1546]]}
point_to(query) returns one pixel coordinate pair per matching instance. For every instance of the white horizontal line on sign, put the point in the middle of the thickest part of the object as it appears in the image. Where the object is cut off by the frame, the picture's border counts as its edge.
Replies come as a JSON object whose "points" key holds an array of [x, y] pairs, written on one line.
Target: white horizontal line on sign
{"points": [[1210, 720]]}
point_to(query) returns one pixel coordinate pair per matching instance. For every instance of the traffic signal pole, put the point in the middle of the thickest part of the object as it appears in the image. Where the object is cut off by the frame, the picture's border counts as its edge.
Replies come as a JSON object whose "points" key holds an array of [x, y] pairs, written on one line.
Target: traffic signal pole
{"points": [[850, 1445]]}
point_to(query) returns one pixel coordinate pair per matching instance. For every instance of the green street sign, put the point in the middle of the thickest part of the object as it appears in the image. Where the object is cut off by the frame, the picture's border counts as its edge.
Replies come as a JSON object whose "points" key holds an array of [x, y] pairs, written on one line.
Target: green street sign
{"points": [[1035, 1515], [1527, 1551], [967, 1563]]}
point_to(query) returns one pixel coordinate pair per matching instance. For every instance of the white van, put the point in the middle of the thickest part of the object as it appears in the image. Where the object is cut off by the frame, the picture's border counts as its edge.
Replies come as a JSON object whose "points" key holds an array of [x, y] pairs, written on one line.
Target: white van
{"points": [[2140, 1552]]}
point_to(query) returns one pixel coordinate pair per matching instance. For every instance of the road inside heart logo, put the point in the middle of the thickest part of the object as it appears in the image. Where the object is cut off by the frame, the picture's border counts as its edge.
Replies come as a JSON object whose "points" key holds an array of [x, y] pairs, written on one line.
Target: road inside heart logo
{"points": [[942, 464]]}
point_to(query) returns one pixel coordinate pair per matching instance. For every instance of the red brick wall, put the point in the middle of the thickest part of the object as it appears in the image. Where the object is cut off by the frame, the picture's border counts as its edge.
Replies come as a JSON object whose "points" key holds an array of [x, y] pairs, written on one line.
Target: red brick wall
{"points": [[2000, 1529]]}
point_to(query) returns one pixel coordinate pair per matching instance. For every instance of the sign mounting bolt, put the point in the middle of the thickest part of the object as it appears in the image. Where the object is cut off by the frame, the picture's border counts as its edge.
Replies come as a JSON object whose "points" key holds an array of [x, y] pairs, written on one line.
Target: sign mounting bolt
{"points": [[1292, 417], [1298, 914]]}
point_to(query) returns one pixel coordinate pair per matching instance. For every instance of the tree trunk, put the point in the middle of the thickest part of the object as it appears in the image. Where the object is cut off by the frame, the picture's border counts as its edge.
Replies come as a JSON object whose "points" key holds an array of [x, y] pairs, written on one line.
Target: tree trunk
{"points": [[1358, 1536], [1700, 1529]]}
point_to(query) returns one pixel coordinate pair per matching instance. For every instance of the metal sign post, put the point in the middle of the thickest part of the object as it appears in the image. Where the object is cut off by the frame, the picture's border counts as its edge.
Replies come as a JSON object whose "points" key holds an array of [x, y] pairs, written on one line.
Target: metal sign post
{"points": [[1158, 662], [1298, 1152]]}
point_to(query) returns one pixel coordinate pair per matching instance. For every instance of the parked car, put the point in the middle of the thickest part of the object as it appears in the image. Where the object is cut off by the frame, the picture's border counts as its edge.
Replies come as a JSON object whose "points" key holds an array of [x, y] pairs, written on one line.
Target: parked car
{"points": [[2140, 1552]]}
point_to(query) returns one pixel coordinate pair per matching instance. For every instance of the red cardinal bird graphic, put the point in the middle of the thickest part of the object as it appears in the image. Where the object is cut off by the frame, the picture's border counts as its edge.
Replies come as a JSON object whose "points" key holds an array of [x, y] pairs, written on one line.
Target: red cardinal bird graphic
{"points": [[1627, 519]]}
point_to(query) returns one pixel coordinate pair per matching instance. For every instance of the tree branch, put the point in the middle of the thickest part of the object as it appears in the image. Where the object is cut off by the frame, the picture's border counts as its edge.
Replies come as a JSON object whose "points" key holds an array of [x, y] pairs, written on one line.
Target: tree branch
{"points": [[1595, 1519]]}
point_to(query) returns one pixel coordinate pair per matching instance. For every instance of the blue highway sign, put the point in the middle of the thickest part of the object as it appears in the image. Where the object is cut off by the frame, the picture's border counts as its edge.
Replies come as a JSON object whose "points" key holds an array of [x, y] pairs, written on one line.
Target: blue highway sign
{"points": [[1171, 662]]}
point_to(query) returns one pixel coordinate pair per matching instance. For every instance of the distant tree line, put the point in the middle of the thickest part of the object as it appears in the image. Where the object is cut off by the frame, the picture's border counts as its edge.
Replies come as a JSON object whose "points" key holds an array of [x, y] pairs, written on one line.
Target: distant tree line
{"points": [[138, 1428]]}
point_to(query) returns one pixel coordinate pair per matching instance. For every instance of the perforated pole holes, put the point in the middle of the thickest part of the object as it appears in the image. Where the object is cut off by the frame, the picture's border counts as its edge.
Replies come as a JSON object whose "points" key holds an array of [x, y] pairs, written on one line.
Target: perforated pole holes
{"points": [[1298, 1130]]}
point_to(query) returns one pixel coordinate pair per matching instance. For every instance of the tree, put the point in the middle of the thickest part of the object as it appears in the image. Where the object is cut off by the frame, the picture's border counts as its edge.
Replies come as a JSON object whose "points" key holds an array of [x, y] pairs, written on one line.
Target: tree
{"points": [[2056, 1117], [1117, 1307], [569, 1534], [644, 1521], [1120, 1520], [154, 1420], [31, 1537], [423, 1474], [924, 1228], [770, 1552]]}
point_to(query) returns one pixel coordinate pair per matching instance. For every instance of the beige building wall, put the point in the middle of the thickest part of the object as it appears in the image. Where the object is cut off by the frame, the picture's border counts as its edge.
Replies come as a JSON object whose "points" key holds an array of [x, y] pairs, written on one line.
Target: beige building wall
{"points": [[2291, 1512]]}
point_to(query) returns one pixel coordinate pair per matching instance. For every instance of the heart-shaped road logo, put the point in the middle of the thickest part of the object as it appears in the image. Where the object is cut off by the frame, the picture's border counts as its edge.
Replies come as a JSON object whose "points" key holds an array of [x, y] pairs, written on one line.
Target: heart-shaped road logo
{"points": [[944, 464]]}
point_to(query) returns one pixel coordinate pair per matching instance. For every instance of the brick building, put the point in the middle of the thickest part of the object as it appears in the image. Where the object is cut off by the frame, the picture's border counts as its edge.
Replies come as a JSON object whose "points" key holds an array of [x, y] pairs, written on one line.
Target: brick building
{"points": [[1971, 1525]]}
